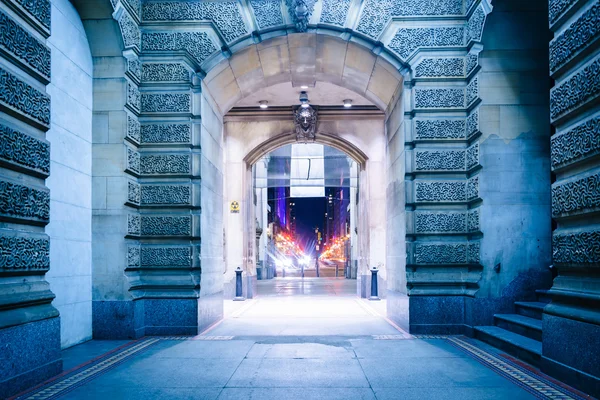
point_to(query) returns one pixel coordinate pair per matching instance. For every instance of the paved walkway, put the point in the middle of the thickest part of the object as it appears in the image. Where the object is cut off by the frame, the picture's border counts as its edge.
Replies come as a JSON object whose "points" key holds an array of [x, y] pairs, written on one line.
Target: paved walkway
{"points": [[311, 340]]}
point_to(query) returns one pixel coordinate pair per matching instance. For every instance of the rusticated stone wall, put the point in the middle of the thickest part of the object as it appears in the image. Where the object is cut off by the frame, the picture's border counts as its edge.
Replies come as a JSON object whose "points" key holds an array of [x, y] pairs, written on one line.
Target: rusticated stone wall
{"points": [[25, 295], [574, 112]]}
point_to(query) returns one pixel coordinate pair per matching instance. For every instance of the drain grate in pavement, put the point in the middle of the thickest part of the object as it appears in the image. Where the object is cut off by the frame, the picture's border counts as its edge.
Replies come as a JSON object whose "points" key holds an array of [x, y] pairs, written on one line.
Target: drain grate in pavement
{"points": [[392, 337]]}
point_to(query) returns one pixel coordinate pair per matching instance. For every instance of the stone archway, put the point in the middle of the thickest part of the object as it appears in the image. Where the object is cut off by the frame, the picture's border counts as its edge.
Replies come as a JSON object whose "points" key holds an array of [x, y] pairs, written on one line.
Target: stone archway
{"points": [[179, 83]]}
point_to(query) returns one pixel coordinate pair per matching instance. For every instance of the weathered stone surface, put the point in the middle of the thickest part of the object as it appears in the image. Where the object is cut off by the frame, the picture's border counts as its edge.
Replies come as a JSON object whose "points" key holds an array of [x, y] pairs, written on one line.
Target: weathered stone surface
{"points": [[576, 38], [23, 46], [576, 197], [24, 151], [23, 98], [24, 253], [23, 202], [576, 144], [578, 248], [575, 91]]}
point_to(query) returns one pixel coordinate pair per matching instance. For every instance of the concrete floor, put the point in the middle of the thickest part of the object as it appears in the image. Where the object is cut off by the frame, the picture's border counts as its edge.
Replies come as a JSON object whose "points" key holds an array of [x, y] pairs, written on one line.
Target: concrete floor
{"points": [[297, 340]]}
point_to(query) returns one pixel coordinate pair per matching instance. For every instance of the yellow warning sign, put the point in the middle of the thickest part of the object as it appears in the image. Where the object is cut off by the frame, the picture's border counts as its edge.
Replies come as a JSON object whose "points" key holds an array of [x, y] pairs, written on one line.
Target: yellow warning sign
{"points": [[234, 208]]}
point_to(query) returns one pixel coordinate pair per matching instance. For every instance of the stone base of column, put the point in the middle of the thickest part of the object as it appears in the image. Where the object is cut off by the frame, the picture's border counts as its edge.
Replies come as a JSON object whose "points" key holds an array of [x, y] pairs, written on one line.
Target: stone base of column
{"points": [[132, 319], [117, 319], [30, 354], [436, 315], [571, 352]]}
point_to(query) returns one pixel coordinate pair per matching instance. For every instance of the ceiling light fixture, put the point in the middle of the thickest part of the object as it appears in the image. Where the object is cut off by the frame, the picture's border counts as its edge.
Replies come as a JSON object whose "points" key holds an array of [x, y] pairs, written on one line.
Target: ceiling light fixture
{"points": [[304, 99], [304, 87], [263, 104], [347, 103]]}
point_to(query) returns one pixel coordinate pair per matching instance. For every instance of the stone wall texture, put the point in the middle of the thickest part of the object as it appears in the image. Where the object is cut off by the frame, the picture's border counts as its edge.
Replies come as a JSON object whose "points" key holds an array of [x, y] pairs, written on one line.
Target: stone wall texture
{"points": [[70, 183], [574, 111], [26, 160]]}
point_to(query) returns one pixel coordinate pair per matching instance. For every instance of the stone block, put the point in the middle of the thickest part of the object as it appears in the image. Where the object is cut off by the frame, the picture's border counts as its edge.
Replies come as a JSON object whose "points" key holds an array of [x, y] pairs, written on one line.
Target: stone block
{"points": [[436, 315], [170, 316], [30, 355], [113, 320], [568, 356]]}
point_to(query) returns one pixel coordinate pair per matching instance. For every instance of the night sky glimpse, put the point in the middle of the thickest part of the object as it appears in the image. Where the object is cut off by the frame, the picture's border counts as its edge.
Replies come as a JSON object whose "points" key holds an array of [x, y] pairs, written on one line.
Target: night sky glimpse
{"points": [[310, 212]]}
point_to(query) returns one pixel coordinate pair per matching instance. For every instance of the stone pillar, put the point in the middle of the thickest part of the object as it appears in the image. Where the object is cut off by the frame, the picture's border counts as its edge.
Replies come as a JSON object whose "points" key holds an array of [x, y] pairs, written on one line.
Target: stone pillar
{"points": [[571, 323], [29, 324], [441, 107]]}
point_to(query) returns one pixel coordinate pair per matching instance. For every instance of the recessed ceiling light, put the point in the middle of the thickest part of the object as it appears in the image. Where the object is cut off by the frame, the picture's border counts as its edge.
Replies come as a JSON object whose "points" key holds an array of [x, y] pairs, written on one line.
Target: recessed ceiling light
{"points": [[263, 104], [304, 87], [347, 103]]}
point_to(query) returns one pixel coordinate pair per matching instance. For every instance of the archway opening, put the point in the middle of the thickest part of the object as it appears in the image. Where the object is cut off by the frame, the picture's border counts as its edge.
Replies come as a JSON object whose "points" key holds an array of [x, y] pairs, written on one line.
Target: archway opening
{"points": [[305, 208]]}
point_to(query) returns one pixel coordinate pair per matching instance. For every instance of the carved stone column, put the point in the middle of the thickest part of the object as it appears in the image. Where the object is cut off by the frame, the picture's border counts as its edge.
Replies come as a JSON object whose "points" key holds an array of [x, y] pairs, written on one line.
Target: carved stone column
{"points": [[29, 324]]}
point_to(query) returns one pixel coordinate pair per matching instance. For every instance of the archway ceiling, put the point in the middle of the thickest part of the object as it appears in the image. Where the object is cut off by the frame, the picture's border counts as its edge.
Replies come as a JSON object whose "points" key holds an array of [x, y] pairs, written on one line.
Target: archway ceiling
{"points": [[285, 94], [392, 33]]}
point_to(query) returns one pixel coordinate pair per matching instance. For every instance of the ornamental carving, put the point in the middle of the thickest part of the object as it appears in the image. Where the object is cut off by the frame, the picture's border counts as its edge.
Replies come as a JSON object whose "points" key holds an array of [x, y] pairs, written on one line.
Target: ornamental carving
{"points": [[133, 97], [472, 92], [576, 197], [305, 123], [440, 67], [451, 253], [473, 221], [130, 31], [133, 224], [171, 133], [439, 98], [24, 98], [134, 67], [440, 160], [377, 13], [225, 15], [164, 72], [152, 164], [133, 256], [166, 226], [267, 13], [133, 161], [18, 201], [443, 191], [38, 9], [133, 193], [474, 251], [25, 151], [408, 40], [166, 257], [440, 222], [440, 129], [166, 102], [133, 129], [473, 156], [166, 194], [472, 124], [335, 12], [558, 8], [473, 188], [472, 62], [576, 38], [575, 91], [197, 44], [300, 11], [575, 145], [475, 25], [24, 253], [23, 46], [576, 248]]}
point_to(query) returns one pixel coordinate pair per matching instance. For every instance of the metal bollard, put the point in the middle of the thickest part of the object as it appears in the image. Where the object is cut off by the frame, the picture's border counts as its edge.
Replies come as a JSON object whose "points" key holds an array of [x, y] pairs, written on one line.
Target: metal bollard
{"points": [[337, 272], [374, 296], [238, 285]]}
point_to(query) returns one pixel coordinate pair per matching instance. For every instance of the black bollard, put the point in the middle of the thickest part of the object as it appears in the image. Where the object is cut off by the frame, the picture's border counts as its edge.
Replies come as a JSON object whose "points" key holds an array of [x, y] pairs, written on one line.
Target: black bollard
{"points": [[238, 285], [374, 296], [337, 267], [317, 267]]}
